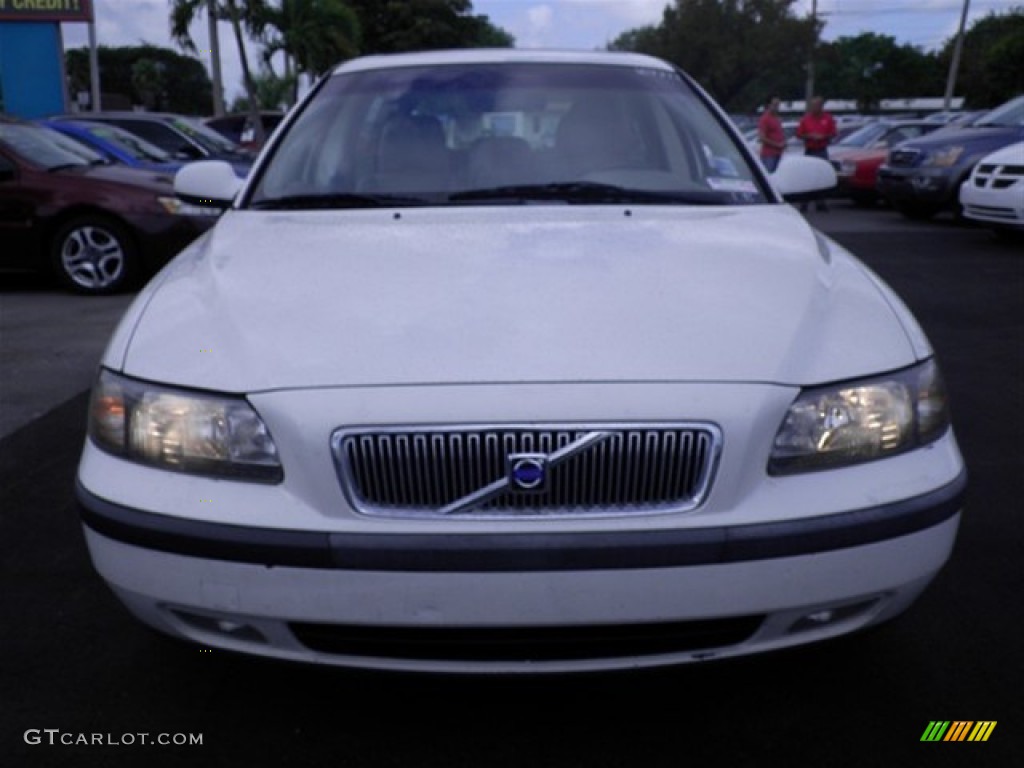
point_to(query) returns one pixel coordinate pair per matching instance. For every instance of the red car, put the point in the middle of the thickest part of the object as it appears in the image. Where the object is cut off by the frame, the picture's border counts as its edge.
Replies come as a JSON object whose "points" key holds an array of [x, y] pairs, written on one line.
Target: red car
{"points": [[858, 156], [97, 227]]}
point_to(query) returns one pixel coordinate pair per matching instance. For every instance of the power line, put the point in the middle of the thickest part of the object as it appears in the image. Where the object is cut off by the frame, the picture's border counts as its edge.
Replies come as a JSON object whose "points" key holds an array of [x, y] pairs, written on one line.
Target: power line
{"points": [[908, 9]]}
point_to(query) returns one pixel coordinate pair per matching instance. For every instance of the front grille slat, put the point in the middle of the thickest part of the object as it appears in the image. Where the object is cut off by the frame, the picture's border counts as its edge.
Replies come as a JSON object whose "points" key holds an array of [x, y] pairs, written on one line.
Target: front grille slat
{"points": [[619, 470]]}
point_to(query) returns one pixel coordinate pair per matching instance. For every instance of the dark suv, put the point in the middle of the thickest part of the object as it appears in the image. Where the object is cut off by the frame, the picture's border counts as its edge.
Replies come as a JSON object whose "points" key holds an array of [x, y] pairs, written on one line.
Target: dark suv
{"points": [[923, 177]]}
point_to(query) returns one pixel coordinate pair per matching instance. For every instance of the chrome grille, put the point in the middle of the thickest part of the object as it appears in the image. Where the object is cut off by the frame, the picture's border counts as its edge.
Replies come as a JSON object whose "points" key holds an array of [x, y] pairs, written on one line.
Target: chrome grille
{"points": [[903, 158], [998, 176], [444, 472]]}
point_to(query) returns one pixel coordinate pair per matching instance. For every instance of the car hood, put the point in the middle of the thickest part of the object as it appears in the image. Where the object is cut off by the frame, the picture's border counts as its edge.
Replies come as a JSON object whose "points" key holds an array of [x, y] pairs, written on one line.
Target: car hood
{"points": [[155, 181], [1009, 155], [971, 136], [510, 294], [856, 154]]}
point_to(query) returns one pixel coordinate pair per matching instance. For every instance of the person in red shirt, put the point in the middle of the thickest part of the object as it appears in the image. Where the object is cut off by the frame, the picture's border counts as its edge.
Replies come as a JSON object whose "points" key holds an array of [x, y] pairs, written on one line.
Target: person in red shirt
{"points": [[816, 129], [771, 135]]}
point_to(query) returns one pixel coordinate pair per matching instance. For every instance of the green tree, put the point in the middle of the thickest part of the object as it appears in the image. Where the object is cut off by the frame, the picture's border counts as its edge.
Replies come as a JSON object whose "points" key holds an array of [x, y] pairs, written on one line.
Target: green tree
{"points": [[178, 83], [742, 51], [870, 67], [391, 26], [272, 92], [243, 15], [148, 81], [992, 65], [313, 36]]}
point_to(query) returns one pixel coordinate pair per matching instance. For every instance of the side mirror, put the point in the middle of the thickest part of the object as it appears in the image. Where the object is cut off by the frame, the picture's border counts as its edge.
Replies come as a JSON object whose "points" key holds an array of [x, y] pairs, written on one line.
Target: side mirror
{"points": [[207, 183], [798, 175]]}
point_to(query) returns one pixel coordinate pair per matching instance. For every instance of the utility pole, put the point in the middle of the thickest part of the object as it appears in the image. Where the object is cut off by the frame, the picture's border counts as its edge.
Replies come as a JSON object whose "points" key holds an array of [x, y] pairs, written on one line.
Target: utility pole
{"points": [[94, 69], [218, 82], [954, 65], [809, 90]]}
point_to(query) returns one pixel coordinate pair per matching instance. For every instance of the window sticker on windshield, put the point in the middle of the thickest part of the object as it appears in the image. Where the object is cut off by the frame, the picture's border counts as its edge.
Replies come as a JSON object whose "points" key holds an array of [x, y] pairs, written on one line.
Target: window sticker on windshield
{"points": [[724, 166], [732, 185]]}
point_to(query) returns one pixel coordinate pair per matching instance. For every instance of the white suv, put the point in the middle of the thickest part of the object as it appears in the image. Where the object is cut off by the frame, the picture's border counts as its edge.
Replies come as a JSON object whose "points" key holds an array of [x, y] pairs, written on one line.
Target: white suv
{"points": [[515, 361]]}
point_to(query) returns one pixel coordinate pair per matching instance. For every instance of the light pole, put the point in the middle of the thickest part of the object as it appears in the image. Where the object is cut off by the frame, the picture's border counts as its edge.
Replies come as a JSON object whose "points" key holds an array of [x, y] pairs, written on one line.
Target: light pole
{"points": [[954, 65], [215, 74], [809, 90]]}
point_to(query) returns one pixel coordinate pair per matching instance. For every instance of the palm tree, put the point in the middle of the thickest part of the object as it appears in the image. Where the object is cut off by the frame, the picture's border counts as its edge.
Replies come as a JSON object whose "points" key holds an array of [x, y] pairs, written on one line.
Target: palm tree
{"points": [[241, 13], [313, 35]]}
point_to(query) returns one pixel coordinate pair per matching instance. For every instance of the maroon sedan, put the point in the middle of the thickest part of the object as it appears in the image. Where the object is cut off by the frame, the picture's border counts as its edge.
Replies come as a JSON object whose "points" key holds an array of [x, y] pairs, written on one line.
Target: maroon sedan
{"points": [[98, 227]]}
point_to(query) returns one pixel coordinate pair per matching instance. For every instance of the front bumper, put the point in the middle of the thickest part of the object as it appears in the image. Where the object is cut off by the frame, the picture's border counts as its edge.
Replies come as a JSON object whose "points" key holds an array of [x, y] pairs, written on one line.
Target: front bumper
{"points": [[522, 603], [1003, 208], [930, 186]]}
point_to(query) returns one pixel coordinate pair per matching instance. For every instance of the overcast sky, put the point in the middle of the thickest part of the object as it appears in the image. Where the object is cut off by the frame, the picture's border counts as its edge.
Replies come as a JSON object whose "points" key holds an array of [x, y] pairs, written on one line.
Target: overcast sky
{"points": [[584, 24]]}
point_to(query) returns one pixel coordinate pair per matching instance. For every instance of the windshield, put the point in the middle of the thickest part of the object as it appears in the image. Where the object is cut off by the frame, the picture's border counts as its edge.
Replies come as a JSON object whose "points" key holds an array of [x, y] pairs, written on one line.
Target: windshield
{"points": [[1010, 113], [207, 137], [137, 147], [46, 148], [505, 133], [866, 136]]}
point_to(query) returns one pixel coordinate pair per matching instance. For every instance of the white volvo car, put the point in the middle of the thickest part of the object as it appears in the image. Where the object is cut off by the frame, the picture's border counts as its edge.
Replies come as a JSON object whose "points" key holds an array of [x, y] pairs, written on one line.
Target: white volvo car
{"points": [[515, 361]]}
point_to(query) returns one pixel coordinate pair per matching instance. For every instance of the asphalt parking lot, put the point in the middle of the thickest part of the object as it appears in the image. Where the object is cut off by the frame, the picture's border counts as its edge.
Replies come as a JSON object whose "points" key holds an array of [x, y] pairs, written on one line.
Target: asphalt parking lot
{"points": [[73, 663]]}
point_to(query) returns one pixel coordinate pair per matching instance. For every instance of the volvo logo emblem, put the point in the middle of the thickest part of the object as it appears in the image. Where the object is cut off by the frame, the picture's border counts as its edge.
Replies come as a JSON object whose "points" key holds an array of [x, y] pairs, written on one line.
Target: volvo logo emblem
{"points": [[527, 471]]}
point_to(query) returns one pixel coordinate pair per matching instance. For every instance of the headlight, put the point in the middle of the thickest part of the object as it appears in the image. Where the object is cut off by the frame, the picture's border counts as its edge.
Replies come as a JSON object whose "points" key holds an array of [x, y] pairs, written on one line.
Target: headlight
{"points": [[943, 158], [861, 421], [847, 168], [181, 208], [181, 431]]}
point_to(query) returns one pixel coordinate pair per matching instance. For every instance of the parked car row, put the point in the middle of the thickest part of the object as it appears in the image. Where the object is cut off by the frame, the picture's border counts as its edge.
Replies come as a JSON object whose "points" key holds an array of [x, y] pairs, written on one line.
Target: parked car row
{"points": [[98, 224], [89, 196], [920, 166], [971, 164], [184, 139], [930, 174]]}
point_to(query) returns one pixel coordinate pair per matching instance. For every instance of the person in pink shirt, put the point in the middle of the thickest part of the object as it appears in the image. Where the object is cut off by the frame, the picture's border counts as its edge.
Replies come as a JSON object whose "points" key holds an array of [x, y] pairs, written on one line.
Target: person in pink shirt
{"points": [[771, 135], [816, 129]]}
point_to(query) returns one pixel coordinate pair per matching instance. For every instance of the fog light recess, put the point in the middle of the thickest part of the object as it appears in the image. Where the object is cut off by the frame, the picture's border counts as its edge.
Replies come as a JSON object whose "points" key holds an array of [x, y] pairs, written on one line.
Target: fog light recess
{"points": [[226, 627], [828, 616]]}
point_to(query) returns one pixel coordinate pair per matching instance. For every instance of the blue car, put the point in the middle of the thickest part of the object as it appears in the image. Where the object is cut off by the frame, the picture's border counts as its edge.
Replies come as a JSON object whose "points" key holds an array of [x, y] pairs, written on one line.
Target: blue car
{"points": [[117, 145], [184, 138]]}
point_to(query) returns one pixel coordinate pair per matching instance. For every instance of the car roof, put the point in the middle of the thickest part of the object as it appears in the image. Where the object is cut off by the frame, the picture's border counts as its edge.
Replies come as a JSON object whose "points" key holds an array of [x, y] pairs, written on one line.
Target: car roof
{"points": [[905, 123], [235, 115], [123, 114], [500, 56]]}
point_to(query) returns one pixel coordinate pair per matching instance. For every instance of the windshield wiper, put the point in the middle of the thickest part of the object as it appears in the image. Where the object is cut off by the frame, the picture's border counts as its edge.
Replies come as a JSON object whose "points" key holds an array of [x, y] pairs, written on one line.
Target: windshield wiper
{"points": [[333, 200], [586, 192]]}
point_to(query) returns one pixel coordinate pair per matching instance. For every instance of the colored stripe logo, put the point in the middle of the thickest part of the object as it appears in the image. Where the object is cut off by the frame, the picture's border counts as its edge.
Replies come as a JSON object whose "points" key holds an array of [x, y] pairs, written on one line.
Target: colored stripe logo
{"points": [[958, 730]]}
